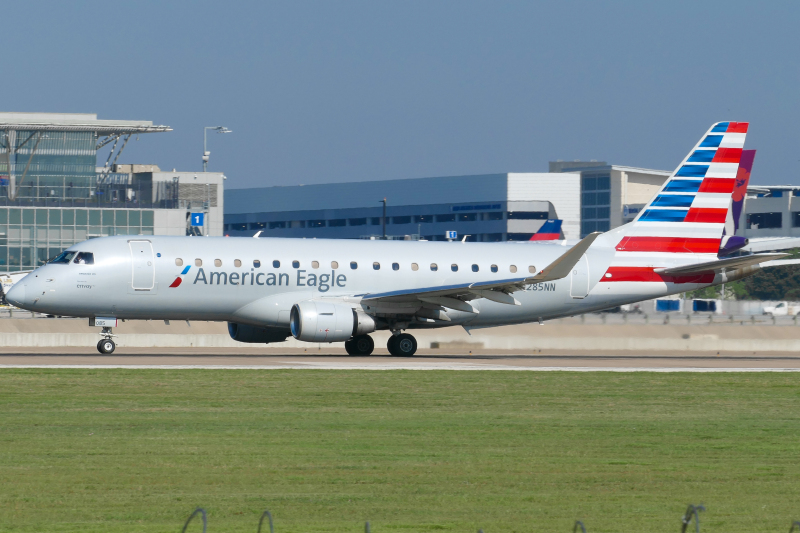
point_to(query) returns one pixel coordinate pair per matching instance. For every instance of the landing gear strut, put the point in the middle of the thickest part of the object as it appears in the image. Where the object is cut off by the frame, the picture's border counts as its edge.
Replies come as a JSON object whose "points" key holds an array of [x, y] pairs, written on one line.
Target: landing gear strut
{"points": [[106, 345], [360, 345], [403, 345]]}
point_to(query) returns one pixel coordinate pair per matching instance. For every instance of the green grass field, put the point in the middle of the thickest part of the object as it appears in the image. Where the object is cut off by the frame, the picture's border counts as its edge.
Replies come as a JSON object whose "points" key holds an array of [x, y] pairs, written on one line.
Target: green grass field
{"points": [[112, 450]]}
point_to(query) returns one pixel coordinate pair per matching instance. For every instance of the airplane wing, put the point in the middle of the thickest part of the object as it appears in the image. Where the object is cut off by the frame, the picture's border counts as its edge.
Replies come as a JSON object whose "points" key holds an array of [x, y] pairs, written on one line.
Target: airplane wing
{"points": [[722, 264], [456, 296]]}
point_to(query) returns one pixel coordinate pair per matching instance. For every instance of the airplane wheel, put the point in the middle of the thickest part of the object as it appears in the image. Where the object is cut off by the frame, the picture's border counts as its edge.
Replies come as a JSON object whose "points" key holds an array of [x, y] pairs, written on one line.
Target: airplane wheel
{"points": [[403, 345], [350, 347], [363, 344], [106, 346]]}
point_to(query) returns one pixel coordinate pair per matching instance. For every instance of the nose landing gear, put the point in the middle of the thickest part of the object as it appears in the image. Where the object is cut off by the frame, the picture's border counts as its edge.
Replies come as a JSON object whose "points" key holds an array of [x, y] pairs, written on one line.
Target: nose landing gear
{"points": [[403, 345], [106, 345]]}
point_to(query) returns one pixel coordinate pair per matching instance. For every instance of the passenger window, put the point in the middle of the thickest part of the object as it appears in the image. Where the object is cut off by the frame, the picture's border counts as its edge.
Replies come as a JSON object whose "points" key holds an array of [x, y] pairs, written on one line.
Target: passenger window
{"points": [[532, 269], [217, 262], [494, 268], [395, 266], [276, 264], [454, 267], [179, 262], [295, 264], [314, 264], [237, 263], [512, 268], [353, 265], [434, 267], [64, 257], [84, 258], [198, 262], [256, 263], [414, 267], [376, 266], [475, 268], [334, 265]]}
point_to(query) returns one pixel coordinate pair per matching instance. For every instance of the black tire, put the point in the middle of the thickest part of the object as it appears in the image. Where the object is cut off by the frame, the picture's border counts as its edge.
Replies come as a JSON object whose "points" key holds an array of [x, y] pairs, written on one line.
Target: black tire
{"points": [[405, 345], [390, 345], [106, 346], [350, 347], [363, 344]]}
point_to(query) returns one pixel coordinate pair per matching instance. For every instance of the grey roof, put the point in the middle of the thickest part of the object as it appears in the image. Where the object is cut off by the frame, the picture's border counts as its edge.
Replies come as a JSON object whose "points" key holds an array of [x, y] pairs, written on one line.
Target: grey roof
{"points": [[418, 191], [75, 122]]}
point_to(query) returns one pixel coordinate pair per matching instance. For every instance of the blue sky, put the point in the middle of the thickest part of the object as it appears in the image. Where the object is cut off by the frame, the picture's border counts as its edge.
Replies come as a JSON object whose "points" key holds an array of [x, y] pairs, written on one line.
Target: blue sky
{"points": [[349, 91]]}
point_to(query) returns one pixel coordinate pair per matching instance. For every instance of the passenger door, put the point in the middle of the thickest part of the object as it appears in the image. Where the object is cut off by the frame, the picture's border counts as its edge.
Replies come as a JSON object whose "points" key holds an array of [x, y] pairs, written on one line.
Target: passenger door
{"points": [[579, 279], [143, 265]]}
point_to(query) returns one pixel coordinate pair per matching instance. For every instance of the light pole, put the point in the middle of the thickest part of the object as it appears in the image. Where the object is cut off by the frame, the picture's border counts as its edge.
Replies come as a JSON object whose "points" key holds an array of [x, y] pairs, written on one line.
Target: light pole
{"points": [[206, 153]]}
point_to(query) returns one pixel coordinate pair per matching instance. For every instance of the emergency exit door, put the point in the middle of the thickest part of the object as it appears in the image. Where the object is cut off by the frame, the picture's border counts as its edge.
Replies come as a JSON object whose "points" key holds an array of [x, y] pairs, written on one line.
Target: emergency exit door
{"points": [[579, 279], [143, 265]]}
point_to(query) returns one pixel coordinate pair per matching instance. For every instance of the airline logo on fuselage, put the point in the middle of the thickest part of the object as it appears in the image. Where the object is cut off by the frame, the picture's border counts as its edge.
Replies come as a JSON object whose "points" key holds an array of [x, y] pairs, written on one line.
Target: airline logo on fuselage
{"points": [[322, 282]]}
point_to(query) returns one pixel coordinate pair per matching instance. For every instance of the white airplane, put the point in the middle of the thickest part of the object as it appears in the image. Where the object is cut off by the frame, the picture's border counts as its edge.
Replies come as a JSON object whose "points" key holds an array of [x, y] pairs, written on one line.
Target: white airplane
{"points": [[342, 290]]}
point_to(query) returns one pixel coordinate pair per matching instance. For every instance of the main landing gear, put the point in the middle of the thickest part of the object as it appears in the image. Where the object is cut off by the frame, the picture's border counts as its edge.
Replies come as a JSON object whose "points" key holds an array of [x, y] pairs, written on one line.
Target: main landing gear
{"points": [[402, 345], [360, 345], [106, 345]]}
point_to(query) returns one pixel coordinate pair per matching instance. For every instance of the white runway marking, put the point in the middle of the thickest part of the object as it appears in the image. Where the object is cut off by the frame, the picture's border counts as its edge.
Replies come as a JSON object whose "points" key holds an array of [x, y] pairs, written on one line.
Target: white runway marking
{"points": [[395, 366]]}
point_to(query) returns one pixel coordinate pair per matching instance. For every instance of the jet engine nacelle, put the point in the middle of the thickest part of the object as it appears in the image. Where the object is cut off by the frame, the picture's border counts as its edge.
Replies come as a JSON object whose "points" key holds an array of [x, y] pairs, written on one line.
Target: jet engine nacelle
{"points": [[316, 321], [245, 333]]}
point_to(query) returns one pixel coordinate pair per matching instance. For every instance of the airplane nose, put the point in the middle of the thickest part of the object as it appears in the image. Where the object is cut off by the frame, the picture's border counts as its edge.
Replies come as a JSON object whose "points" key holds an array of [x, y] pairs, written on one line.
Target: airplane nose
{"points": [[16, 295]]}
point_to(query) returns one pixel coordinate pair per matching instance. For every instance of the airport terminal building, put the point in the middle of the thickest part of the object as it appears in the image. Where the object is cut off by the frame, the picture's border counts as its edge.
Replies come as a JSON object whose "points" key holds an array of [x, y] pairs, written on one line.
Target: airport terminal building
{"points": [[587, 196], [53, 194]]}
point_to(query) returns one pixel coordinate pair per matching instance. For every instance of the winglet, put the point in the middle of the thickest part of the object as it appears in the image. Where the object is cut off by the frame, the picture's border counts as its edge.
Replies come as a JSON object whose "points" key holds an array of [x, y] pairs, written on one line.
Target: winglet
{"points": [[561, 267]]}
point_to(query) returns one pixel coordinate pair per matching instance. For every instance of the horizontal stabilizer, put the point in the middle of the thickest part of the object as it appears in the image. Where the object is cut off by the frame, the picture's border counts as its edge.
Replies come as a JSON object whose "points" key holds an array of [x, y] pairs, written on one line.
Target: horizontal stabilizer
{"points": [[723, 264]]}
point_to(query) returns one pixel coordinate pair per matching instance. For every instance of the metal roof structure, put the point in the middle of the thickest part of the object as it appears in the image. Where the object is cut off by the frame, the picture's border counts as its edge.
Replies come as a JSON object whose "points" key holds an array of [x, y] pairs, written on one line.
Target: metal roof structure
{"points": [[76, 122]]}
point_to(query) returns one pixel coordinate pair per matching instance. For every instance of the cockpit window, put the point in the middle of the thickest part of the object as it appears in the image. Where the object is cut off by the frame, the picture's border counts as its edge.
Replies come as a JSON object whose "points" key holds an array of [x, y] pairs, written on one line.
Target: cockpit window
{"points": [[84, 258], [64, 257]]}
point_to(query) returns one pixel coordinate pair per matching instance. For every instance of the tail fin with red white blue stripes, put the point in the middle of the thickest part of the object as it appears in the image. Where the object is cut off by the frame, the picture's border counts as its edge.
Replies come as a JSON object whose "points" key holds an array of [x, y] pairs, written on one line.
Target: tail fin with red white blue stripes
{"points": [[550, 231], [688, 214]]}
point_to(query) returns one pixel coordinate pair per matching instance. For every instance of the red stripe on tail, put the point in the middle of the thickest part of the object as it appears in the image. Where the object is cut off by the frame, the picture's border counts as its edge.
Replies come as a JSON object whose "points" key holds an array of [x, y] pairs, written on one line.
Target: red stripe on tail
{"points": [[727, 155], [680, 245], [712, 215], [723, 185]]}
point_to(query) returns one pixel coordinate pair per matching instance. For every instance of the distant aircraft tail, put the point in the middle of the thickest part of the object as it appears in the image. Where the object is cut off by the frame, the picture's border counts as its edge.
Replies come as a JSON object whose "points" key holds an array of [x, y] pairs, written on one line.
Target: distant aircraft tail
{"points": [[688, 214], [550, 231], [730, 241]]}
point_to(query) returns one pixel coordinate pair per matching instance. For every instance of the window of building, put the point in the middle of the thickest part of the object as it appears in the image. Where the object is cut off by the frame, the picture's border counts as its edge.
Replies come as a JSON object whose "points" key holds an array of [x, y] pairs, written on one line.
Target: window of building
{"points": [[520, 236], [239, 227], [353, 265], [179, 262], [258, 225], [375, 221], [764, 220], [237, 263], [277, 225], [217, 262], [334, 265], [423, 219], [295, 264], [467, 217], [595, 203], [395, 266], [434, 267], [492, 237], [528, 215], [337, 222], [446, 218], [276, 264], [376, 266], [494, 215], [256, 263], [475, 268], [316, 223], [358, 221], [512, 269], [198, 262], [493, 268], [454, 267], [401, 220], [414, 267]]}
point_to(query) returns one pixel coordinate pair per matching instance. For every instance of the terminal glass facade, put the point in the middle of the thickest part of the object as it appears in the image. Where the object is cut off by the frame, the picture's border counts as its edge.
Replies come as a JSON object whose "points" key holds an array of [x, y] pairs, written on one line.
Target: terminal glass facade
{"points": [[595, 202], [31, 236]]}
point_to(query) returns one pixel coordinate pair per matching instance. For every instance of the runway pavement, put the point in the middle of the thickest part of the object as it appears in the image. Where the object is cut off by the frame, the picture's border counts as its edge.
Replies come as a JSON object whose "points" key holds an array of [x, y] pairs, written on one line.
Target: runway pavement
{"points": [[424, 361]]}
